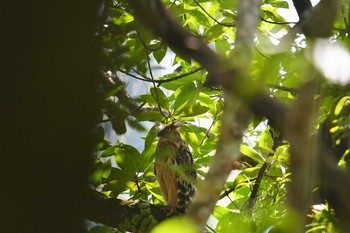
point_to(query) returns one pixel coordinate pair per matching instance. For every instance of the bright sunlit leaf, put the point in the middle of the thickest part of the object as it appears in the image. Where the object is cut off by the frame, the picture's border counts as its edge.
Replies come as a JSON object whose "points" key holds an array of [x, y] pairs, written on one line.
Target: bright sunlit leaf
{"points": [[176, 225]]}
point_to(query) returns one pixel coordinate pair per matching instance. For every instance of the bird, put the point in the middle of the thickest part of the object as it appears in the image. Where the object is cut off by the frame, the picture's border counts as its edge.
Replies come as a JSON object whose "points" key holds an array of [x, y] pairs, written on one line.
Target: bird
{"points": [[174, 168]]}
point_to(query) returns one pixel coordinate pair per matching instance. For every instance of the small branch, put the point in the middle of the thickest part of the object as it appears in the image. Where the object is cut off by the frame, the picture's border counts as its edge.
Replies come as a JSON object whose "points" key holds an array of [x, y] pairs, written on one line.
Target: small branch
{"points": [[302, 6], [255, 190], [155, 88], [227, 192], [234, 121], [280, 23], [160, 81], [179, 76]]}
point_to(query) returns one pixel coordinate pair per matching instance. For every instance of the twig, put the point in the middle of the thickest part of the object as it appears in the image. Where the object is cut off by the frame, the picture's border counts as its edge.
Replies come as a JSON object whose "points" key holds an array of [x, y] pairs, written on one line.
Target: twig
{"points": [[160, 81], [155, 88], [255, 190], [272, 22]]}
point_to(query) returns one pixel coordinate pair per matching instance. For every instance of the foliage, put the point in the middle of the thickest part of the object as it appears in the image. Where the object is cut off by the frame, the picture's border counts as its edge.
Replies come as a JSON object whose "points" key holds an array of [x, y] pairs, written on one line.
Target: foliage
{"points": [[130, 57]]}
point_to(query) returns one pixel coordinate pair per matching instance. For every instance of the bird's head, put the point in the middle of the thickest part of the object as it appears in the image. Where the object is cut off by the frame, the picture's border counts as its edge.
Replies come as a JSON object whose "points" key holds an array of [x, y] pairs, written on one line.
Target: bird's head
{"points": [[169, 130]]}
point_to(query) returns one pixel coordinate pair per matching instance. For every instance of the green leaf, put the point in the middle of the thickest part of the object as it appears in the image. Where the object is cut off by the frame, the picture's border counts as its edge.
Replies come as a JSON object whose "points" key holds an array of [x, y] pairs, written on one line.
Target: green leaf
{"points": [[282, 153], [275, 170], [185, 96], [251, 153], [223, 47], [149, 99], [150, 116], [228, 221], [151, 136], [178, 83], [116, 115], [127, 157], [175, 225], [118, 181], [192, 140], [206, 100], [229, 4], [266, 139], [251, 172], [340, 105], [159, 96], [147, 157], [279, 4], [201, 18], [220, 212], [123, 19], [214, 31], [101, 173], [108, 152], [266, 142], [153, 188], [159, 54], [193, 110]]}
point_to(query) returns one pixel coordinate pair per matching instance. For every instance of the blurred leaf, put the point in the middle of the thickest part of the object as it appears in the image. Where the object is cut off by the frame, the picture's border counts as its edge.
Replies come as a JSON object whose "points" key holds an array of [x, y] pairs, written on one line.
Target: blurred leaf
{"points": [[153, 116], [127, 157], [193, 110], [229, 4], [116, 115], [101, 173], [178, 83], [214, 31], [117, 181], [185, 96], [275, 170], [279, 4], [151, 136], [251, 172], [108, 152], [147, 157], [340, 105], [159, 54], [148, 98], [102, 229], [153, 188], [251, 153], [282, 153], [192, 140], [175, 225], [266, 140], [118, 125], [223, 47], [205, 100], [159, 96], [123, 19]]}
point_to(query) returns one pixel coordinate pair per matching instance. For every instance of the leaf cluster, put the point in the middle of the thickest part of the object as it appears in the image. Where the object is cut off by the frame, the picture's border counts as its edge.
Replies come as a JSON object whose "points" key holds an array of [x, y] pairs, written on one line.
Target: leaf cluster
{"points": [[255, 195]]}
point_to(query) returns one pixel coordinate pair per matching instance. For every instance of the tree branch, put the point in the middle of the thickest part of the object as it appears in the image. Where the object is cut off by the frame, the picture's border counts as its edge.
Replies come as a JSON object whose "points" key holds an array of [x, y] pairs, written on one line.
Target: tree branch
{"points": [[303, 156], [302, 7], [124, 215], [234, 120]]}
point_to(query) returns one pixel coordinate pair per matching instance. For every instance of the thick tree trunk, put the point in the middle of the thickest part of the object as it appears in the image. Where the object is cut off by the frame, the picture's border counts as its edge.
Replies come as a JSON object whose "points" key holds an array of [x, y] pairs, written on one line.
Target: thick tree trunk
{"points": [[48, 76]]}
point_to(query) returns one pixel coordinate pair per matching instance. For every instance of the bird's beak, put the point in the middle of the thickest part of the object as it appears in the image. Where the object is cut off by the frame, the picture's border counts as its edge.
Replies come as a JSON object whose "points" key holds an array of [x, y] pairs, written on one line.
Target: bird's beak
{"points": [[160, 127]]}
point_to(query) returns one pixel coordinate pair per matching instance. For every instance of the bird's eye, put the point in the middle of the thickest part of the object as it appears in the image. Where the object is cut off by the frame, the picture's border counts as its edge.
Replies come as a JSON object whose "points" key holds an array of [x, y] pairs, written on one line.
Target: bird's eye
{"points": [[168, 129]]}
